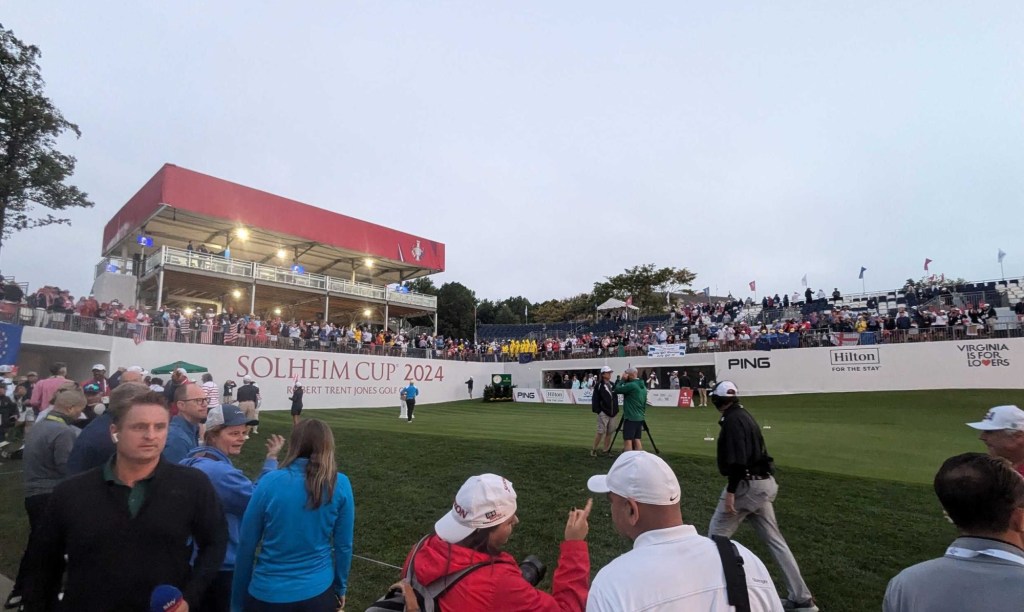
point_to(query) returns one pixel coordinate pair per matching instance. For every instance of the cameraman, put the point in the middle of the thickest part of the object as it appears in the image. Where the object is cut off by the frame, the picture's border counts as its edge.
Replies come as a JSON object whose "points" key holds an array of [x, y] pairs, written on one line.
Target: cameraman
{"points": [[475, 530], [634, 407], [605, 405]]}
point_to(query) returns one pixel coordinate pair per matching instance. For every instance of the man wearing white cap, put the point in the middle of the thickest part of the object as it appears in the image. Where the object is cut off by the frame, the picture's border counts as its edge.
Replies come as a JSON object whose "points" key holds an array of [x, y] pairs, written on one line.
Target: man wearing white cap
{"points": [[474, 532], [751, 489], [99, 378], [671, 566], [605, 405], [1002, 431]]}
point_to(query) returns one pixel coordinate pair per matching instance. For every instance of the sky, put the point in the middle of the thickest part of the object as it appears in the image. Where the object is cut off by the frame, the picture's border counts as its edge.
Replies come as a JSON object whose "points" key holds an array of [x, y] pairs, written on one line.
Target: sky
{"points": [[552, 144]]}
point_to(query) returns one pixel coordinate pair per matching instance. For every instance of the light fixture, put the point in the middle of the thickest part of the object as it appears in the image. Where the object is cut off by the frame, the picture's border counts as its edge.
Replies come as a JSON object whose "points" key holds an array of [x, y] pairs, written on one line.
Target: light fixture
{"points": [[367, 312], [242, 233], [237, 293], [368, 262], [277, 311], [188, 311], [281, 253]]}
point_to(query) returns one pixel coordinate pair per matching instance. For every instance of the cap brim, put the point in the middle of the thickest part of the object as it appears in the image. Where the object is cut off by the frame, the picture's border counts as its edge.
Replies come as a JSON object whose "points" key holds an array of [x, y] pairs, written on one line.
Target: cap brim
{"points": [[985, 426], [450, 530], [598, 484]]}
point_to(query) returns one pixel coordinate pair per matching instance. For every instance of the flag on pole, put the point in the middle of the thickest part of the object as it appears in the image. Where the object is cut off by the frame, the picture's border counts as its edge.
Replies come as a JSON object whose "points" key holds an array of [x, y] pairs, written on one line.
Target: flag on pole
{"points": [[862, 271], [668, 297], [1001, 255], [753, 285], [926, 262], [207, 335], [140, 333], [803, 281], [707, 292], [231, 334]]}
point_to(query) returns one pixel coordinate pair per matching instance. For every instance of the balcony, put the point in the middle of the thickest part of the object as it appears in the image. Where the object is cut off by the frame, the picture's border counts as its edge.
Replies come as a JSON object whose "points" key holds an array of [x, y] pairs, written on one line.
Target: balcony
{"points": [[169, 257]]}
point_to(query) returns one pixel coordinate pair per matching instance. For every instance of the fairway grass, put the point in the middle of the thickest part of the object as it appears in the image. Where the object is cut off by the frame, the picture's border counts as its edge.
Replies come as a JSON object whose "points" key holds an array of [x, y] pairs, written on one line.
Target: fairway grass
{"points": [[855, 501]]}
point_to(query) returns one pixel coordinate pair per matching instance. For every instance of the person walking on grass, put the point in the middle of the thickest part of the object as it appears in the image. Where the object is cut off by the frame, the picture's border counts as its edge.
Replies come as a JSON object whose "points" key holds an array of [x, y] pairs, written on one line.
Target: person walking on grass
{"points": [[751, 489], [296, 398], [469, 385], [605, 404], [410, 400]]}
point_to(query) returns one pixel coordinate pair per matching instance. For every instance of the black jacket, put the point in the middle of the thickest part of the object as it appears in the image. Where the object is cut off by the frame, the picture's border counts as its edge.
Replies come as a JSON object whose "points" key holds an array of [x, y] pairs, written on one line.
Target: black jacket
{"points": [[296, 398], [247, 393], [741, 449], [115, 560], [603, 400]]}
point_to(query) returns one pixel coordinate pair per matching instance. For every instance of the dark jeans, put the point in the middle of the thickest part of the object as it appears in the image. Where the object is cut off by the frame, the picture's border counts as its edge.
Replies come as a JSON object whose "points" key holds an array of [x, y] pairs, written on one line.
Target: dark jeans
{"points": [[324, 602], [35, 506], [218, 596], [410, 404]]}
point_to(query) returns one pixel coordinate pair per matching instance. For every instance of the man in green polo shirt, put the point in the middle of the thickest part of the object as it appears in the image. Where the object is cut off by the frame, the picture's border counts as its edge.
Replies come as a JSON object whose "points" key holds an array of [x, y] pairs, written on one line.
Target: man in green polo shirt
{"points": [[634, 408]]}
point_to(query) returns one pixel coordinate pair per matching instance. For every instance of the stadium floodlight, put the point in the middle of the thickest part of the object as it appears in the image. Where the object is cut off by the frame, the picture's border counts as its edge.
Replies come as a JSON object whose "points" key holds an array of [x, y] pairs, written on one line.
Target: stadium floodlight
{"points": [[277, 311], [367, 312], [188, 311], [237, 293], [281, 253], [242, 233], [368, 262]]}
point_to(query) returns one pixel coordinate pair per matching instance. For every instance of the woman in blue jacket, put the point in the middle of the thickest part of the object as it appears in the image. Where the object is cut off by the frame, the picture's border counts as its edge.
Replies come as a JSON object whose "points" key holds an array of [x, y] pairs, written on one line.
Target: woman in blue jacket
{"points": [[301, 517], [226, 432]]}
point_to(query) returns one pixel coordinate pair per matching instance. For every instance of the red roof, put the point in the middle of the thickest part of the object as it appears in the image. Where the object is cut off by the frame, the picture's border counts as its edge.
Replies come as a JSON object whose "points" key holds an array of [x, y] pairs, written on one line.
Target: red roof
{"points": [[205, 195]]}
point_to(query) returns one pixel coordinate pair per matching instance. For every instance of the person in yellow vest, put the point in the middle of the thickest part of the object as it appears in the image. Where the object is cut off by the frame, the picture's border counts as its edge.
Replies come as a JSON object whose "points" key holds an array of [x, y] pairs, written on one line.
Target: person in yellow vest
{"points": [[359, 336]]}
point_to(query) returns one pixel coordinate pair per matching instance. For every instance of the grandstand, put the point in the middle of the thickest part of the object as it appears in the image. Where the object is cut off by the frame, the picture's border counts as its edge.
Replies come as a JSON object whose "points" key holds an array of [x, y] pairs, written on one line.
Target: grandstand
{"points": [[190, 240]]}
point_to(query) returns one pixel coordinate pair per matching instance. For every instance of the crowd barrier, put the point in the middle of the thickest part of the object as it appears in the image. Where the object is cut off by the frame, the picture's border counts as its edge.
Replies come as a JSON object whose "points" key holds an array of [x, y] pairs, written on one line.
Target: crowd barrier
{"points": [[214, 335]]}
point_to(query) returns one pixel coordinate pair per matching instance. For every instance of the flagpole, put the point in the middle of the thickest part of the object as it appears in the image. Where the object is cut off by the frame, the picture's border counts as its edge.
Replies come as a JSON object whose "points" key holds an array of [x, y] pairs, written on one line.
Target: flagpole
{"points": [[1002, 273]]}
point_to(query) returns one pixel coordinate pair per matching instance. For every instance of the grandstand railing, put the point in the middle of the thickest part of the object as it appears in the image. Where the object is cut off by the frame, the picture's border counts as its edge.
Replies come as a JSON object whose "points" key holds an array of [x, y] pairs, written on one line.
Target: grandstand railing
{"points": [[214, 335], [180, 258]]}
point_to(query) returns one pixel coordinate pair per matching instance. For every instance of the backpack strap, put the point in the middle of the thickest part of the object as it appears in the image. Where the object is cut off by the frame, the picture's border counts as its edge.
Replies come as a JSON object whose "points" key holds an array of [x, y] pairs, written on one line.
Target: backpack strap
{"points": [[735, 577], [435, 589]]}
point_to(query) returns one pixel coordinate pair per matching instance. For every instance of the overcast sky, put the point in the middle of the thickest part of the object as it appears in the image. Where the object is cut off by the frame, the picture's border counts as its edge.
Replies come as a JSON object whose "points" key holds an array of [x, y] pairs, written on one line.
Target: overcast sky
{"points": [[550, 144]]}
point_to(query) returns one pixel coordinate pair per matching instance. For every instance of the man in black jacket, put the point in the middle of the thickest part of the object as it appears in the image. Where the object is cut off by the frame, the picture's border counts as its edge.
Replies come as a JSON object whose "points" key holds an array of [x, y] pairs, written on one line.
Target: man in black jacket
{"points": [[605, 405], [146, 518], [751, 489]]}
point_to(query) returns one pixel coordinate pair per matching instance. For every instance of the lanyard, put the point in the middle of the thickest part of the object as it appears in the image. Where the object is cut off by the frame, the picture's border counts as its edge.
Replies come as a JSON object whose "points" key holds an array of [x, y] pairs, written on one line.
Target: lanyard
{"points": [[966, 553]]}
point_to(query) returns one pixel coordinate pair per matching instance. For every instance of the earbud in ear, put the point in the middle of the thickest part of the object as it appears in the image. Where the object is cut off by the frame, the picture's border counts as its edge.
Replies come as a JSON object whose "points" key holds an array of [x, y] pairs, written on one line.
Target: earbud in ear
{"points": [[114, 437]]}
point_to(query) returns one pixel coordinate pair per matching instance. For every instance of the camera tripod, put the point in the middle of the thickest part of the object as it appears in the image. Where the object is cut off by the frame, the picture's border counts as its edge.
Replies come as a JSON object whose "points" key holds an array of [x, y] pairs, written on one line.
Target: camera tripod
{"points": [[646, 429]]}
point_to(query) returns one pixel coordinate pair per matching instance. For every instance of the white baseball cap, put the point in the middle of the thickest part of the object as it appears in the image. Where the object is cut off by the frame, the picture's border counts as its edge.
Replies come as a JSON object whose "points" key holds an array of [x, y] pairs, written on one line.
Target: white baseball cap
{"points": [[100, 367], [725, 388], [181, 371], [482, 501], [640, 476], [605, 370], [1001, 417]]}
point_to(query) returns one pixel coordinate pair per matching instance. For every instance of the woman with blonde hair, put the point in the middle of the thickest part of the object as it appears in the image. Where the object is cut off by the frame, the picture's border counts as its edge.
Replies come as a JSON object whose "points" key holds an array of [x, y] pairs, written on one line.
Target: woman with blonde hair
{"points": [[301, 518]]}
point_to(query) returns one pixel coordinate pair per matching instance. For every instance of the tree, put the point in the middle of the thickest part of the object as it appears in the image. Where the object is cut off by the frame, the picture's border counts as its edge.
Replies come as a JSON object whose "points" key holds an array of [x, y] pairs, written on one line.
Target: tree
{"points": [[455, 304], [424, 284], [645, 284], [32, 171]]}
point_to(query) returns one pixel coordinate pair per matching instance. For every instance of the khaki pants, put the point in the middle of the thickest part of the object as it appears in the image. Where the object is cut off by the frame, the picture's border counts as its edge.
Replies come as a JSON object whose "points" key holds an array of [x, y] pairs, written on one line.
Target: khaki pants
{"points": [[249, 408]]}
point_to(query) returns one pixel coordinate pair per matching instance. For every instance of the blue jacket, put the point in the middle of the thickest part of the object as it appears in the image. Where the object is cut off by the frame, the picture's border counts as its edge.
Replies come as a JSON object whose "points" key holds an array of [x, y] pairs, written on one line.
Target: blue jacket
{"points": [[233, 489], [182, 437], [93, 446], [411, 392], [302, 551]]}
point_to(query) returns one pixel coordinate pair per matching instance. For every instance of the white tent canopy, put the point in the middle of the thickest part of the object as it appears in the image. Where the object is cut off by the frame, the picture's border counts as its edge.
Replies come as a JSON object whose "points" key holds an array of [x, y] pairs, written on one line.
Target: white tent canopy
{"points": [[614, 304]]}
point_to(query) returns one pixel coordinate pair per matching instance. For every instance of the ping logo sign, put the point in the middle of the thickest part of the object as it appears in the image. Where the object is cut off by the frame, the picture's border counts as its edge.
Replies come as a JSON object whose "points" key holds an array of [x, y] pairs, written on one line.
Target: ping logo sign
{"points": [[759, 363], [526, 394]]}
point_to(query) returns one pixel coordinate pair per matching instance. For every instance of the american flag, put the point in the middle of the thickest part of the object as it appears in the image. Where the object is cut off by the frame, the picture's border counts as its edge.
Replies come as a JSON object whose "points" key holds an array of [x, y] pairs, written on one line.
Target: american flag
{"points": [[232, 334], [207, 336], [141, 330]]}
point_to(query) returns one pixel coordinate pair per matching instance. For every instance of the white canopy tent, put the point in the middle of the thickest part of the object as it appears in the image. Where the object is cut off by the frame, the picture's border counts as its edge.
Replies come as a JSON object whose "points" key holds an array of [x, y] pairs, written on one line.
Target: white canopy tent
{"points": [[614, 304]]}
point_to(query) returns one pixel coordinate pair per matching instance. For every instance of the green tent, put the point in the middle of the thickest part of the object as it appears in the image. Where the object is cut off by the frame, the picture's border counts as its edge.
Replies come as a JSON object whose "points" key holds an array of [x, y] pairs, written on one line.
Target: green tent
{"points": [[189, 367]]}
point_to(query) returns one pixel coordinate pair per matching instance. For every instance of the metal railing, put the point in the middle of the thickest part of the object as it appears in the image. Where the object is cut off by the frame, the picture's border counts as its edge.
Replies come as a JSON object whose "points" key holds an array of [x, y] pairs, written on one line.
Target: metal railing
{"points": [[215, 335], [169, 256]]}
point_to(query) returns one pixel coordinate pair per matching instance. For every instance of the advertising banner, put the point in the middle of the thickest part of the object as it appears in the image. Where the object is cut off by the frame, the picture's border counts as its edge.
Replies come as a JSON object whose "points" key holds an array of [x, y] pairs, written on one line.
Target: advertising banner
{"points": [[556, 396], [527, 396], [666, 350], [686, 398], [583, 396], [663, 397]]}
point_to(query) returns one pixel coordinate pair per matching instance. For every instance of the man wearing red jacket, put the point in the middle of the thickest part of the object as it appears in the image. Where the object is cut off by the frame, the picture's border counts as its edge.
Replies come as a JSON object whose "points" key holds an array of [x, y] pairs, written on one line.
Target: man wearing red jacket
{"points": [[475, 531]]}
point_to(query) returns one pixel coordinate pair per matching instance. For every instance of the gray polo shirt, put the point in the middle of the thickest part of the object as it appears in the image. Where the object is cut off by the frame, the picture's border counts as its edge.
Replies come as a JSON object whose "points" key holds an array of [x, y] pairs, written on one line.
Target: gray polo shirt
{"points": [[47, 448], [957, 583]]}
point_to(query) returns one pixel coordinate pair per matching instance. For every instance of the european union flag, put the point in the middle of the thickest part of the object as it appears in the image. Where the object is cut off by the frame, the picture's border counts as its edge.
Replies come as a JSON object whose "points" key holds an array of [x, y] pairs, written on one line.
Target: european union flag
{"points": [[10, 343]]}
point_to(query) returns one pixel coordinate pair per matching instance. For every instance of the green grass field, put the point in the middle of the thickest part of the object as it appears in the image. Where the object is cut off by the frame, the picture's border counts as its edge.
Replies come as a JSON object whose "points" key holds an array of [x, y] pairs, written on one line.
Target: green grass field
{"points": [[855, 501]]}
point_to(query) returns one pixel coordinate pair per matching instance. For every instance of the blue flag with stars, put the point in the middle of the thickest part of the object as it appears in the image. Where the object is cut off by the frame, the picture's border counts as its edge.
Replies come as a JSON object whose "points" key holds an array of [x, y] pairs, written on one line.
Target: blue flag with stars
{"points": [[10, 343]]}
